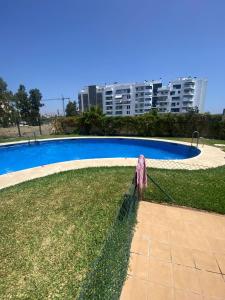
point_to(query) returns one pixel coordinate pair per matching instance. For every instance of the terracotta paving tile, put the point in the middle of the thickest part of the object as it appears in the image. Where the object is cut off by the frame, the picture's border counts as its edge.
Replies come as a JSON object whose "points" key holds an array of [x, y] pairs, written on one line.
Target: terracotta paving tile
{"points": [[205, 261], [159, 292], [176, 225], [186, 295], [159, 233], [160, 251], [217, 245], [186, 278], [143, 227], [221, 262], [179, 238], [194, 229], [199, 243], [140, 245], [171, 243], [212, 298], [138, 266], [173, 212], [182, 256], [159, 220], [143, 217], [134, 289], [160, 272], [212, 284], [155, 208], [189, 215]]}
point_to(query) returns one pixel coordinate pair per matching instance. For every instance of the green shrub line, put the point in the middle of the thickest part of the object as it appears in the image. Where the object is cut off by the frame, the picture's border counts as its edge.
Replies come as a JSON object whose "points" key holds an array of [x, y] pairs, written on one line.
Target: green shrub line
{"points": [[149, 124], [108, 271]]}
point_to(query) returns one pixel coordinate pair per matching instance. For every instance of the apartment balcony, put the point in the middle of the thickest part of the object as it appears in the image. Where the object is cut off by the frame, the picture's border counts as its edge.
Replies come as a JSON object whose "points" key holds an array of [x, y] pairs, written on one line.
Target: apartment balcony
{"points": [[187, 98], [163, 88], [162, 94], [163, 98], [122, 102], [184, 103], [189, 91], [189, 85], [187, 106]]}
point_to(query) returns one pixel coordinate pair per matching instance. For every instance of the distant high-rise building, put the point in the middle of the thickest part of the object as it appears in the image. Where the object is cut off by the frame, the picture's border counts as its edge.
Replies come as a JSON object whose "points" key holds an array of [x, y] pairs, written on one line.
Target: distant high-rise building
{"points": [[90, 96], [121, 99]]}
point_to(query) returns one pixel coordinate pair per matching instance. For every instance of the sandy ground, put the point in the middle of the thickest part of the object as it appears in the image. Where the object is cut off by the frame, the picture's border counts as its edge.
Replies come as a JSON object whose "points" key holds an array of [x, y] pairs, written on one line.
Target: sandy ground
{"points": [[25, 131]]}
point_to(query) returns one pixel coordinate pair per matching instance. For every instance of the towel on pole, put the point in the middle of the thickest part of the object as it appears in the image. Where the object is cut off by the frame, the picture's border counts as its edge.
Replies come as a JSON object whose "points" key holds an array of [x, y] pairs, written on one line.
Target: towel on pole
{"points": [[141, 173]]}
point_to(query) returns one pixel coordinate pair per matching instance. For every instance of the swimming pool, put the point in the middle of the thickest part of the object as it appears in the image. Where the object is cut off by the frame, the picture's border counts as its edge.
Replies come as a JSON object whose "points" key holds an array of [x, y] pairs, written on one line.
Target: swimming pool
{"points": [[23, 156]]}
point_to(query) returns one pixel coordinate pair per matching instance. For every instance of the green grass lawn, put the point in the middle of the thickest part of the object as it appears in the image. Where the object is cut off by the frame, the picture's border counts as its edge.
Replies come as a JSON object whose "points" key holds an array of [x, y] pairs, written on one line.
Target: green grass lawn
{"points": [[210, 142], [202, 189], [53, 228], [4, 139]]}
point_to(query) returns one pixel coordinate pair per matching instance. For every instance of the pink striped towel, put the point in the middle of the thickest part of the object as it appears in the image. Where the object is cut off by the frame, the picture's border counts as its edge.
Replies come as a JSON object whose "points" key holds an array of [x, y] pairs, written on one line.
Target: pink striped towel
{"points": [[141, 172]]}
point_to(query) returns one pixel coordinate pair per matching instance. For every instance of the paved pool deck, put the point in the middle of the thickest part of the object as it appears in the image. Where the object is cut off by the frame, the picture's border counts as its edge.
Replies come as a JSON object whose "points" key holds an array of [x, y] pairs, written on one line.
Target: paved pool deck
{"points": [[176, 254], [210, 157]]}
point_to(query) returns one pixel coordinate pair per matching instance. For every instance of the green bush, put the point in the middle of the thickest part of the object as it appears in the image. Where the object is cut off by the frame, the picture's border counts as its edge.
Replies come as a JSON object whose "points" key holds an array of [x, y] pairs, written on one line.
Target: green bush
{"points": [[149, 125]]}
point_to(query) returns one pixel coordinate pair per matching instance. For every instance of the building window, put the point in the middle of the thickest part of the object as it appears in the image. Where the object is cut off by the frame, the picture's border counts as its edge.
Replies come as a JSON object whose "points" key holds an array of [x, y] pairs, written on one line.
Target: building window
{"points": [[175, 98], [139, 94], [128, 112], [189, 84], [123, 91], [175, 109], [128, 106], [119, 112], [140, 88], [108, 92], [108, 103], [126, 96], [148, 87], [177, 86], [172, 93], [108, 98], [119, 106]]}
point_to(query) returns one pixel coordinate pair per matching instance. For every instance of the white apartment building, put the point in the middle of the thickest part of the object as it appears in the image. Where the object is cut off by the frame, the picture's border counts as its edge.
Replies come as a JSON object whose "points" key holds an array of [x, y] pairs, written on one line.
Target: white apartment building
{"points": [[117, 99], [129, 99], [181, 95]]}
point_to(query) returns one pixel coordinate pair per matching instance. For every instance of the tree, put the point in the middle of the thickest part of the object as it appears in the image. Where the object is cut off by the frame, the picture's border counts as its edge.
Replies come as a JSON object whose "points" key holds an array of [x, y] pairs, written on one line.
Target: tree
{"points": [[71, 109], [22, 103], [35, 105], [6, 107], [91, 121]]}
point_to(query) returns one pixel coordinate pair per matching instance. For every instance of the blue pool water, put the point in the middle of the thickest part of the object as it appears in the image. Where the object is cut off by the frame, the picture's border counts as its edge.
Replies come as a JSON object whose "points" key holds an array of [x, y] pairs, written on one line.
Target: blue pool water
{"points": [[24, 156]]}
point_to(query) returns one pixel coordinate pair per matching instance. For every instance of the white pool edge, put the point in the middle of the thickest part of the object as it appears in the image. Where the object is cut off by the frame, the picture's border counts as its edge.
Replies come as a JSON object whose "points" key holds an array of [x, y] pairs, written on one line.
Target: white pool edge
{"points": [[209, 157]]}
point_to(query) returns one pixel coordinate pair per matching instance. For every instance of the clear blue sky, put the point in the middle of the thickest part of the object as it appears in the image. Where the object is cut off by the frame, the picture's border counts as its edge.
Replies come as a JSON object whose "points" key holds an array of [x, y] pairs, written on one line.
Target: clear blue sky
{"points": [[60, 46]]}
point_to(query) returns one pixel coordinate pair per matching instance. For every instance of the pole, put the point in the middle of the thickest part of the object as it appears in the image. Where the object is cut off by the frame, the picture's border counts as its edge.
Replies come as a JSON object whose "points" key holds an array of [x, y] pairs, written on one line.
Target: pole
{"points": [[39, 124], [63, 101], [18, 127]]}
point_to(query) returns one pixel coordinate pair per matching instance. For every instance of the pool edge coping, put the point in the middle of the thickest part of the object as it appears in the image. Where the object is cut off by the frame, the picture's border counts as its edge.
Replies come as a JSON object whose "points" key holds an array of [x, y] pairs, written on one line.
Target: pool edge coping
{"points": [[209, 157]]}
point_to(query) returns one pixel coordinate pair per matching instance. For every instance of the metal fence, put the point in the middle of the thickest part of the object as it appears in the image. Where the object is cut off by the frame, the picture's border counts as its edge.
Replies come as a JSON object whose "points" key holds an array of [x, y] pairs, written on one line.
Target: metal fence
{"points": [[109, 270]]}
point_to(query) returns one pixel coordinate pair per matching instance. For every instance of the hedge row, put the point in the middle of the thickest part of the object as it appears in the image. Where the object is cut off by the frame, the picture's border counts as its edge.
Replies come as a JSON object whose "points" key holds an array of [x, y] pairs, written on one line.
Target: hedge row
{"points": [[182, 125]]}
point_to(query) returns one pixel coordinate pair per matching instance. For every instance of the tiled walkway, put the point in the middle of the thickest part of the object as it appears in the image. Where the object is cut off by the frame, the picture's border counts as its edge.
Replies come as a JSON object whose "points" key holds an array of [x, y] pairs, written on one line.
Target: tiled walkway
{"points": [[176, 253]]}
